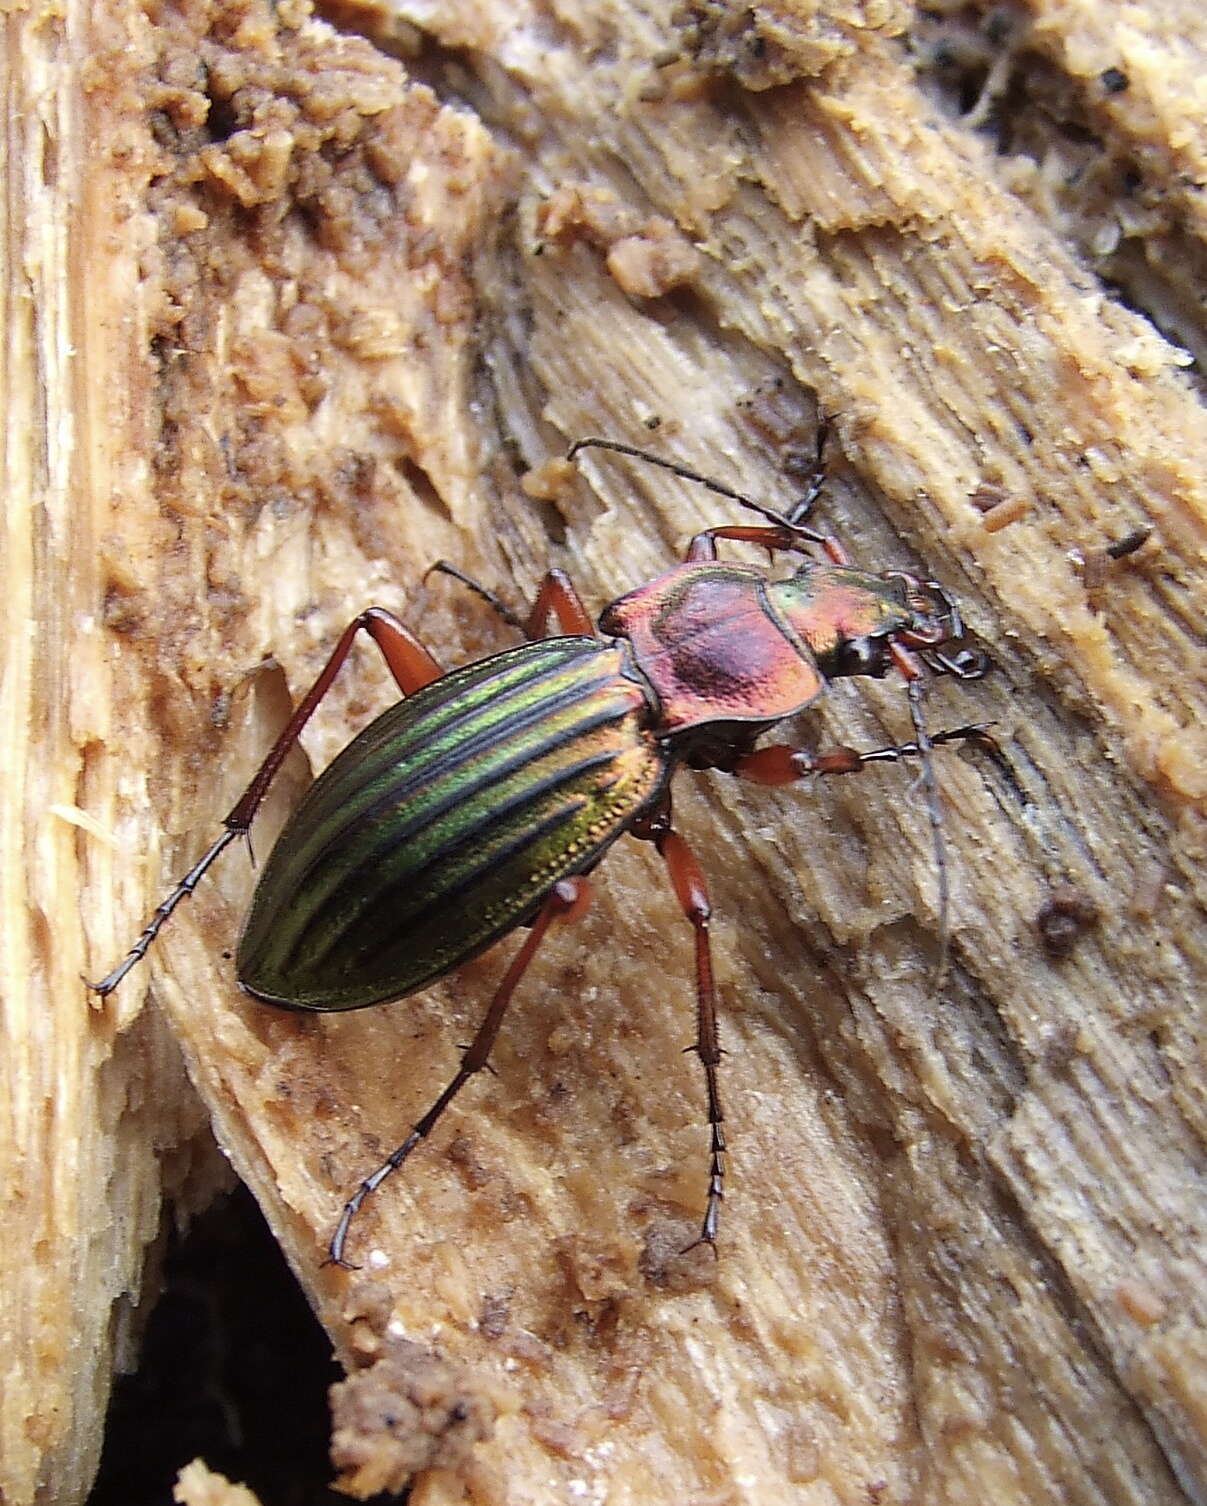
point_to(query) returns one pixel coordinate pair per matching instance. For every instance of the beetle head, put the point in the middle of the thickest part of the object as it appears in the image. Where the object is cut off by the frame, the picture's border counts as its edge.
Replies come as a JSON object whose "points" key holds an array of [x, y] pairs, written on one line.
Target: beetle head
{"points": [[858, 623], [935, 629]]}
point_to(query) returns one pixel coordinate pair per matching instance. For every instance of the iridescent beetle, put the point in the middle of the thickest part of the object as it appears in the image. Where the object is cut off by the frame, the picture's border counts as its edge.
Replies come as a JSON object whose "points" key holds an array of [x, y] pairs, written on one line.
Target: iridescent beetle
{"points": [[479, 802]]}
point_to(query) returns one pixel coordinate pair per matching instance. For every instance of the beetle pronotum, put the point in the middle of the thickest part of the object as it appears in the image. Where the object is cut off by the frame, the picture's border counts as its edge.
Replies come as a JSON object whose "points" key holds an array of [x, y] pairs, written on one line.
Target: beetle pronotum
{"points": [[481, 800]]}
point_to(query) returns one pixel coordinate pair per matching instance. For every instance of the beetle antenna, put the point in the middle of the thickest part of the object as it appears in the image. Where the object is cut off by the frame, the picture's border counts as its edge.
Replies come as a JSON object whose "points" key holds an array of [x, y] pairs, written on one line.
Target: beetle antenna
{"points": [[781, 520], [935, 811], [817, 478]]}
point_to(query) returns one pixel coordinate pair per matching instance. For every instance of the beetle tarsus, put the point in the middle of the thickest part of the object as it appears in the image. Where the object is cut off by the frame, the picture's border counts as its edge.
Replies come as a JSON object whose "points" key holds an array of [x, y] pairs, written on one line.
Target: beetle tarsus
{"points": [[163, 911], [976, 732], [782, 763], [815, 484], [712, 1218], [567, 900], [335, 1250], [716, 1170], [556, 598], [691, 890], [495, 602]]}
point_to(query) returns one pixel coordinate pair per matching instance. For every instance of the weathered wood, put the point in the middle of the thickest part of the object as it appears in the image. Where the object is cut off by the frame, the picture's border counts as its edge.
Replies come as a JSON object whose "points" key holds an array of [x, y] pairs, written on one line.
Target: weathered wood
{"points": [[322, 330], [96, 1117]]}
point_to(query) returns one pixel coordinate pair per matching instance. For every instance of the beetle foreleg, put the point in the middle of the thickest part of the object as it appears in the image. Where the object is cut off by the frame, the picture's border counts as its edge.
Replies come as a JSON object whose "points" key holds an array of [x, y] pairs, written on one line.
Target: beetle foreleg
{"points": [[691, 890], [412, 666], [567, 901]]}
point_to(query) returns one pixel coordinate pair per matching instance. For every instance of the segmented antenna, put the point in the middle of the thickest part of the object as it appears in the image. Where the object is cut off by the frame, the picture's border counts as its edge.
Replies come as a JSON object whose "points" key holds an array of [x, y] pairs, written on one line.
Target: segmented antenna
{"points": [[781, 520], [934, 809]]}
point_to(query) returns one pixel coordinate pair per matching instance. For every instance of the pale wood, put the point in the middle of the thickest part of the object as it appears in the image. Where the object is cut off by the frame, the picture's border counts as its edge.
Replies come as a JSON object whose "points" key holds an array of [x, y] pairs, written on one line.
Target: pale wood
{"points": [[97, 1120], [962, 1255]]}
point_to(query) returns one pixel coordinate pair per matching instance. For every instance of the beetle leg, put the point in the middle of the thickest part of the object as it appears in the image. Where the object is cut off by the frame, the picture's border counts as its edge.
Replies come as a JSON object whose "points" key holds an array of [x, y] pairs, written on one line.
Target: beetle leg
{"points": [[781, 763], [804, 505], [412, 666], [409, 662], [567, 901], [555, 598], [491, 598], [558, 599], [691, 890], [704, 545], [790, 523]]}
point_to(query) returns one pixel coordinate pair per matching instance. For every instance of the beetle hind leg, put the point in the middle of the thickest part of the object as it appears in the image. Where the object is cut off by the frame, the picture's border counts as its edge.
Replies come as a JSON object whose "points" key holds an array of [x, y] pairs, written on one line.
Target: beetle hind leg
{"points": [[408, 661], [567, 901], [691, 890]]}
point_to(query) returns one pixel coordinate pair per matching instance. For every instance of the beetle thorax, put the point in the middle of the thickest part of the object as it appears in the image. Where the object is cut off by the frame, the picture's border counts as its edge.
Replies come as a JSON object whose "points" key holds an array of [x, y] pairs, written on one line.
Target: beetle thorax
{"points": [[714, 648]]}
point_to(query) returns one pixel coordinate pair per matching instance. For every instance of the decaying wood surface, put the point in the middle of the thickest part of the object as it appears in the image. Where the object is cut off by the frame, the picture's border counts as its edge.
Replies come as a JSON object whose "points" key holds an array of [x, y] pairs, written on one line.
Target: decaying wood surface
{"points": [[296, 306]]}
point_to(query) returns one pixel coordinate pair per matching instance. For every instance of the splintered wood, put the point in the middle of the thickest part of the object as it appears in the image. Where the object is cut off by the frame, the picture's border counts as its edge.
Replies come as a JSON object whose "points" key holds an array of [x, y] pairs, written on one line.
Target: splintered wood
{"points": [[299, 303]]}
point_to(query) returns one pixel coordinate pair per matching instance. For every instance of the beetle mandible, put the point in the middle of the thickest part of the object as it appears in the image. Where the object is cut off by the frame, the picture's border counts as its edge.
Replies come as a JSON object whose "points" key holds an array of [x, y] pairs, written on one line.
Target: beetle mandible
{"points": [[480, 801]]}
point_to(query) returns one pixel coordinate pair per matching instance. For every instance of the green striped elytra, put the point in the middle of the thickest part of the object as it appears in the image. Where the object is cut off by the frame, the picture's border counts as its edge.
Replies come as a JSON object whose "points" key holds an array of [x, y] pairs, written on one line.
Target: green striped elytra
{"points": [[480, 801], [441, 827]]}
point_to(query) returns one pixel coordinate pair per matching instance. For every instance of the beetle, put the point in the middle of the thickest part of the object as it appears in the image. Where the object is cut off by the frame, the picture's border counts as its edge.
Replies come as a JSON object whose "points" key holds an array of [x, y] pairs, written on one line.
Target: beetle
{"points": [[479, 802]]}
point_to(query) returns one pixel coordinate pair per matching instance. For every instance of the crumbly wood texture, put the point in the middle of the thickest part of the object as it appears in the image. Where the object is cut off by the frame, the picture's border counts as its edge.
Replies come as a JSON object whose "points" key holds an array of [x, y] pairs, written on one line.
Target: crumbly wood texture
{"points": [[199, 1486], [294, 307]]}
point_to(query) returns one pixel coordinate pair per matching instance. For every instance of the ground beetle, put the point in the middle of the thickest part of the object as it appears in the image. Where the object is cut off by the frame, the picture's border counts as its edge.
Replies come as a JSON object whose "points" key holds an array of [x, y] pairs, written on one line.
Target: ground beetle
{"points": [[481, 800]]}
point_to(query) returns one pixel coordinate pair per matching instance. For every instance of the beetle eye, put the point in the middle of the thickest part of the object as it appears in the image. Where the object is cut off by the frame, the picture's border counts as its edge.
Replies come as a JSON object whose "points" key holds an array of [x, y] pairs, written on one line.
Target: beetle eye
{"points": [[863, 656]]}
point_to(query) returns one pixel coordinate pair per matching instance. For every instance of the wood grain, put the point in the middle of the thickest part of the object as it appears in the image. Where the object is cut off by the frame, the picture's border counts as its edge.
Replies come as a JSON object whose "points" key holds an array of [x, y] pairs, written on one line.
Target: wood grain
{"points": [[296, 306]]}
